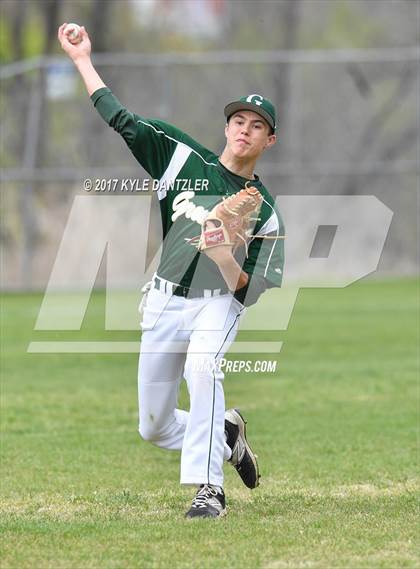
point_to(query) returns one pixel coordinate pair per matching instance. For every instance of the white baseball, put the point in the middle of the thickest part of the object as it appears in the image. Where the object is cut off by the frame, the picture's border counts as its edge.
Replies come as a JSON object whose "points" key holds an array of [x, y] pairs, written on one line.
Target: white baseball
{"points": [[72, 31]]}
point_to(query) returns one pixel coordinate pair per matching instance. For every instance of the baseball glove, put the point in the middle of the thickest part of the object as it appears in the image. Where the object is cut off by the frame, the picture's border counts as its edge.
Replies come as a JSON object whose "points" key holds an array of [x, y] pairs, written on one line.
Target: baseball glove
{"points": [[231, 221]]}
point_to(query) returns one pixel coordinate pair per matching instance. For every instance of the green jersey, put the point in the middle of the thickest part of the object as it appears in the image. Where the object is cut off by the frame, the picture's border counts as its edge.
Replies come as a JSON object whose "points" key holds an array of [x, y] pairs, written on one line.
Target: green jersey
{"points": [[189, 181]]}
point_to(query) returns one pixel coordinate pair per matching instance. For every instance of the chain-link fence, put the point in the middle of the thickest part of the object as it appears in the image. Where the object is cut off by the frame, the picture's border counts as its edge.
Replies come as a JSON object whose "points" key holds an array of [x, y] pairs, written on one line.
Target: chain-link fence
{"points": [[348, 125]]}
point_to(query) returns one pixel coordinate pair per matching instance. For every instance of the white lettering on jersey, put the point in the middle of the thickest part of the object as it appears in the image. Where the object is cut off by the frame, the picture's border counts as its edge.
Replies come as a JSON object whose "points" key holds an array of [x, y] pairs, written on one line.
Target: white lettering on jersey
{"points": [[182, 206]]}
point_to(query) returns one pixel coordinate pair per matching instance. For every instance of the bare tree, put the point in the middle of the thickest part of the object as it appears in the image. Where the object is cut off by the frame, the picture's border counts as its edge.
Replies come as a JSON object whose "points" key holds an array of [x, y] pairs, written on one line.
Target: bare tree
{"points": [[98, 28], [289, 41], [50, 10], [99, 23], [371, 137], [289, 37]]}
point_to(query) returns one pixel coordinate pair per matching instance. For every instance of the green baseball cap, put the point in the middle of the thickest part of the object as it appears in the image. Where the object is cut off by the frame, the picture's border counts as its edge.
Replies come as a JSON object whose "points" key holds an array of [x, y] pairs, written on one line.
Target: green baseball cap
{"points": [[257, 103]]}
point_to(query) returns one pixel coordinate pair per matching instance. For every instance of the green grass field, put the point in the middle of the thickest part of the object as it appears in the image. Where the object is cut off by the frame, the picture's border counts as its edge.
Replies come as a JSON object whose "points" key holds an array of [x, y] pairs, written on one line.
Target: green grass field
{"points": [[334, 428]]}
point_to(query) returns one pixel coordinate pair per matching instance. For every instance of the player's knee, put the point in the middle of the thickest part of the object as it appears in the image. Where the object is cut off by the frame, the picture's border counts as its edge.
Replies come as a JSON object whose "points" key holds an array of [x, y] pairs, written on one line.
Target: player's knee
{"points": [[148, 432]]}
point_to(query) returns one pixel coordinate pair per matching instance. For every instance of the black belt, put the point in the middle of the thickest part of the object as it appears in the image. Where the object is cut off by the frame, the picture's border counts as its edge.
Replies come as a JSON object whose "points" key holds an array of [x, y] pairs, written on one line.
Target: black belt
{"points": [[170, 288]]}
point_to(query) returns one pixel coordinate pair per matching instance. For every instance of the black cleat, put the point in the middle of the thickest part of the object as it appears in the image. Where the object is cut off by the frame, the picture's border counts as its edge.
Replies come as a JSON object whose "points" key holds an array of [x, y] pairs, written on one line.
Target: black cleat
{"points": [[243, 459], [208, 503]]}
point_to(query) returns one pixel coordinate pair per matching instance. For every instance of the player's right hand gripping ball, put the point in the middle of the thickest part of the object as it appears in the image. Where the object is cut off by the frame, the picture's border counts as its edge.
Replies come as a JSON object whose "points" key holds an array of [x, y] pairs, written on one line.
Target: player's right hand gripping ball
{"points": [[72, 31], [231, 221]]}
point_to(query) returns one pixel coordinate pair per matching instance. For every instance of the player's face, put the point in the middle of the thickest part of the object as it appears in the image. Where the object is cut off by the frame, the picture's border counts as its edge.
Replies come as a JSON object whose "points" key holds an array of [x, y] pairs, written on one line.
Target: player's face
{"points": [[248, 135]]}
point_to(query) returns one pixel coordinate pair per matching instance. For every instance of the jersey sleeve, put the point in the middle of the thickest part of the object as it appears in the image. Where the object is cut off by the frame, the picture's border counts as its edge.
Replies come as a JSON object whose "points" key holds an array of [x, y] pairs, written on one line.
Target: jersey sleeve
{"points": [[152, 142], [113, 113], [266, 251]]}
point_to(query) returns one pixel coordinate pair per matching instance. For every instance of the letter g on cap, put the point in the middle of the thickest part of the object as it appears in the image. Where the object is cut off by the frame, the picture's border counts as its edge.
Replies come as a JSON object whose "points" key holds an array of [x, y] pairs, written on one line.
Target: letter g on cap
{"points": [[255, 99]]}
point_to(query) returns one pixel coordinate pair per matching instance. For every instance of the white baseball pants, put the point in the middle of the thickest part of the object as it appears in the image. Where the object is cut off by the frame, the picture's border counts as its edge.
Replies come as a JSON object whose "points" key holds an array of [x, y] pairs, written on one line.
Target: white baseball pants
{"points": [[186, 338]]}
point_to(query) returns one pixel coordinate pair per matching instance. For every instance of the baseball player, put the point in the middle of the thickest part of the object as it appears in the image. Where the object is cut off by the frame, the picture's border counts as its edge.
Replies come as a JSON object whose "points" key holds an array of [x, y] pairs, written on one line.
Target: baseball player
{"points": [[212, 266]]}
